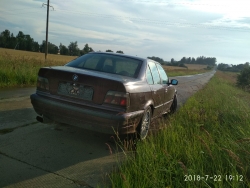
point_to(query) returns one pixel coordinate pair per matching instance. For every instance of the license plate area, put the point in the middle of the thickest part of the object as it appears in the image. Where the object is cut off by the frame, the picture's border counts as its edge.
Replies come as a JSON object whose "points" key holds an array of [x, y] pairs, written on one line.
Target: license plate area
{"points": [[75, 90]]}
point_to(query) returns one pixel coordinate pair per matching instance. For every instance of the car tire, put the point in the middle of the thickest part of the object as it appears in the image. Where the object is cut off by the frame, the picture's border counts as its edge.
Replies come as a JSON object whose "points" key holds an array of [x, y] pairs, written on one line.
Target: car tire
{"points": [[145, 123], [173, 107]]}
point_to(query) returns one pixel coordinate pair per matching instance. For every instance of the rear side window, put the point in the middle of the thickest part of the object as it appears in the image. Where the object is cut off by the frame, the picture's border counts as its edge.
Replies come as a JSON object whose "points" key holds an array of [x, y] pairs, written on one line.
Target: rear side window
{"points": [[155, 73], [163, 74]]}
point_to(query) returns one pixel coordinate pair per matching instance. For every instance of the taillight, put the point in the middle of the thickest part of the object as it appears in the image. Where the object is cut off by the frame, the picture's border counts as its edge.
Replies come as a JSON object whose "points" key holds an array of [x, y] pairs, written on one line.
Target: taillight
{"points": [[42, 83], [117, 98]]}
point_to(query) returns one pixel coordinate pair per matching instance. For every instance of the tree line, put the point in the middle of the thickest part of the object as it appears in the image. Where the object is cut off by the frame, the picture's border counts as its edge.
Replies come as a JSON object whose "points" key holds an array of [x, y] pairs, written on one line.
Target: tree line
{"points": [[20, 41], [26, 43], [232, 68], [210, 61]]}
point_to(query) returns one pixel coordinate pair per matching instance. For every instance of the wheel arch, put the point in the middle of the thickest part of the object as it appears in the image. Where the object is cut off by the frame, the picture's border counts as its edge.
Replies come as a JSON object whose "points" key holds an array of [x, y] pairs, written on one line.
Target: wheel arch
{"points": [[151, 104]]}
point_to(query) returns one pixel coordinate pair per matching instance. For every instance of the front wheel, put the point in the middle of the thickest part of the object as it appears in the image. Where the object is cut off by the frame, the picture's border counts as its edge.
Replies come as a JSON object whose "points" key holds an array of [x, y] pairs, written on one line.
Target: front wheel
{"points": [[145, 123]]}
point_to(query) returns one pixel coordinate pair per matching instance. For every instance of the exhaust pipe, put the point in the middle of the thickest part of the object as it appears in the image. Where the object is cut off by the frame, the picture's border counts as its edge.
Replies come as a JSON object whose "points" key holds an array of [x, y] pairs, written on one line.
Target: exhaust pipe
{"points": [[40, 119]]}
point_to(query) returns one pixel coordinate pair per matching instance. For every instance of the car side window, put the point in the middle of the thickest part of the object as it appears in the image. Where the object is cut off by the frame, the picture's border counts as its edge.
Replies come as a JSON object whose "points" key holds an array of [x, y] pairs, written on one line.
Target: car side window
{"points": [[149, 76], [163, 74], [155, 73]]}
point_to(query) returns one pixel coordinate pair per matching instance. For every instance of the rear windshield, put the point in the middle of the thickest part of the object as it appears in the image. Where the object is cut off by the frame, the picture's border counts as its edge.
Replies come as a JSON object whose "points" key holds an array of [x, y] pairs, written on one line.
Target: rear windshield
{"points": [[108, 63]]}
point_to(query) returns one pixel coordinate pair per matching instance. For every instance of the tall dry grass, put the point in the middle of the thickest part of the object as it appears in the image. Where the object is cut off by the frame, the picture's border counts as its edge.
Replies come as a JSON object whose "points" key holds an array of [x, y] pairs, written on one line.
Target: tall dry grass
{"points": [[20, 68]]}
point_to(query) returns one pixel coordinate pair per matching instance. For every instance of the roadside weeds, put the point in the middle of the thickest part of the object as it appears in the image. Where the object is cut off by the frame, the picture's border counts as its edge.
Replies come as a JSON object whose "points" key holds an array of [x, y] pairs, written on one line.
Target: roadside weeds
{"points": [[205, 145]]}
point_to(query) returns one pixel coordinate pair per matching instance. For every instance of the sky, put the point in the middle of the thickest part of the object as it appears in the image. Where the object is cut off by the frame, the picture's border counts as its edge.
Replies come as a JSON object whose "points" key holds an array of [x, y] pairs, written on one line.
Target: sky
{"points": [[162, 28]]}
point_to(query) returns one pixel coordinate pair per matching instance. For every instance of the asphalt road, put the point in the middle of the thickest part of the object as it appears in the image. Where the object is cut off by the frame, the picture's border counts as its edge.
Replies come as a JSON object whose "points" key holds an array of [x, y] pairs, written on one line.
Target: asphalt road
{"points": [[33, 154]]}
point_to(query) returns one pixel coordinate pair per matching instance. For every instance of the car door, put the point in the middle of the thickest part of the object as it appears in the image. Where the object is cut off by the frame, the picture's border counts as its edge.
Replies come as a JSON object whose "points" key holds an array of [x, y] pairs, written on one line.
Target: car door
{"points": [[157, 89], [168, 88]]}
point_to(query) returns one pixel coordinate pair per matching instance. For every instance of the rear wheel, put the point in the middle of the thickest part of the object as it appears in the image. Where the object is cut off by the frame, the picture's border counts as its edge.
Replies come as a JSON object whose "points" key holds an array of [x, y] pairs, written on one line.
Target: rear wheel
{"points": [[145, 124]]}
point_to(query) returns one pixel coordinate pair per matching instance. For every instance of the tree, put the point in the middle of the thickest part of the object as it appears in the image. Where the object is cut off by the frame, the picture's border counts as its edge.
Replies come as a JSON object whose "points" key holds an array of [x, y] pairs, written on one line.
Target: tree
{"points": [[161, 61], [246, 64], [183, 60], [52, 48], [86, 49], [25, 42], [172, 60], [119, 51], [4, 38], [193, 61], [243, 79], [73, 49], [63, 49], [13, 41], [109, 50], [35, 47], [20, 40], [28, 43]]}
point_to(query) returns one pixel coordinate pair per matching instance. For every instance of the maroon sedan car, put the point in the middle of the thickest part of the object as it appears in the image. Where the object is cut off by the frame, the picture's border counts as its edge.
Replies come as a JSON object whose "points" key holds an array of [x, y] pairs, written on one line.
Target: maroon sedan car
{"points": [[105, 92]]}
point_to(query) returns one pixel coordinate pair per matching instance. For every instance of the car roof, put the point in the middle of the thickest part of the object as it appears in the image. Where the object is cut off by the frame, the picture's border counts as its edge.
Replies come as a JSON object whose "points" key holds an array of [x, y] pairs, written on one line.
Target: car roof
{"points": [[121, 55]]}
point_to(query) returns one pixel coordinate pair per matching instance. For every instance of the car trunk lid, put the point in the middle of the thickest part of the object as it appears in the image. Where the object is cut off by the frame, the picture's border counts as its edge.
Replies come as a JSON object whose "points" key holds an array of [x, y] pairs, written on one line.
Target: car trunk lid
{"points": [[86, 85]]}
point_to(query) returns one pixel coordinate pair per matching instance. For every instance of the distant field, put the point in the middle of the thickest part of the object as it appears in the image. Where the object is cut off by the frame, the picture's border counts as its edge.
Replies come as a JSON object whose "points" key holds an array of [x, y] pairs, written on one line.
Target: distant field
{"points": [[190, 66], [34, 55], [196, 66], [181, 71], [170, 68]]}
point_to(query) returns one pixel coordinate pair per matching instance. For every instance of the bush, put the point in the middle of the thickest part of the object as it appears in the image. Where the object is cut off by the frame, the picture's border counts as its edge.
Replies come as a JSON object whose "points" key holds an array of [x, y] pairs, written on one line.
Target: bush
{"points": [[182, 65], [243, 79], [208, 67]]}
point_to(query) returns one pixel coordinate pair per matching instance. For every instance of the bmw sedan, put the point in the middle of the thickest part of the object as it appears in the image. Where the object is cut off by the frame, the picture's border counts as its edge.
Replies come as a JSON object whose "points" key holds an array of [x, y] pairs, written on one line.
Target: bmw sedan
{"points": [[105, 92]]}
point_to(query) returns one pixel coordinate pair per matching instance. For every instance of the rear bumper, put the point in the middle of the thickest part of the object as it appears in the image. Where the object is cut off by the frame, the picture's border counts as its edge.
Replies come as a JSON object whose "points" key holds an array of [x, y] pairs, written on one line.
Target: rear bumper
{"points": [[91, 119]]}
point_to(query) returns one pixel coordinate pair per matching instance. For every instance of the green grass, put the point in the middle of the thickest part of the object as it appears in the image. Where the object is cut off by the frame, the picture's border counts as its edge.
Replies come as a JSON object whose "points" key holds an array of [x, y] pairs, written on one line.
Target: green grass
{"points": [[209, 135]]}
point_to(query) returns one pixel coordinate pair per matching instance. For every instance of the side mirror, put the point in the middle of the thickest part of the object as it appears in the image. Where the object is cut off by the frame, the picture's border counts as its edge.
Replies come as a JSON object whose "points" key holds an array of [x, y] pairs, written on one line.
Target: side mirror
{"points": [[174, 82]]}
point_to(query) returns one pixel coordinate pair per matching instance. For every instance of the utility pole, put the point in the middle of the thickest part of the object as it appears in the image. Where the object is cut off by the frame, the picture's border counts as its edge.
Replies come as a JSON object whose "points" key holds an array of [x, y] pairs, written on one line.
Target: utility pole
{"points": [[47, 28]]}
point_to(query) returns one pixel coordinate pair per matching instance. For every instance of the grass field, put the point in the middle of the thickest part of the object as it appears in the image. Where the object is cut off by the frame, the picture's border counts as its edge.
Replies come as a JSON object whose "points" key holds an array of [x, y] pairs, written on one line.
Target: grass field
{"points": [[20, 68], [18, 54], [205, 144], [181, 71]]}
